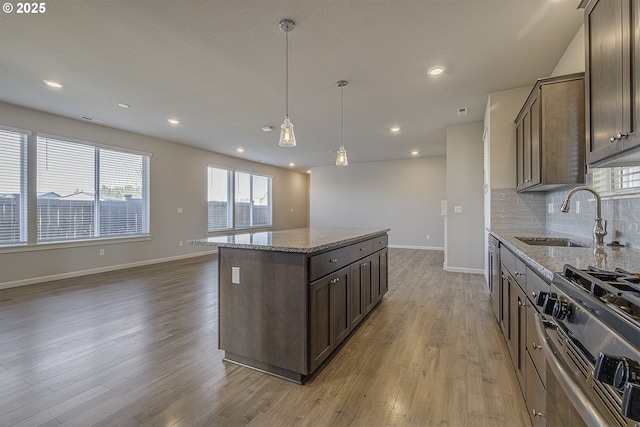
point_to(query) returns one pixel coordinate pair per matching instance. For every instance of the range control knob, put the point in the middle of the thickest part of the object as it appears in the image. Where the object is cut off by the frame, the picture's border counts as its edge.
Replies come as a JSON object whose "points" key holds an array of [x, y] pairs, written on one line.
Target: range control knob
{"points": [[627, 371], [631, 401], [540, 298], [549, 301], [560, 309], [606, 367]]}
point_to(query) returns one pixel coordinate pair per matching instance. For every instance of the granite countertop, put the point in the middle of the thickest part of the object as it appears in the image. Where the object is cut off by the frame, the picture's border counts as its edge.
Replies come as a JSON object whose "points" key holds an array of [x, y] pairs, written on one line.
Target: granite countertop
{"points": [[300, 240], [549, 259]]}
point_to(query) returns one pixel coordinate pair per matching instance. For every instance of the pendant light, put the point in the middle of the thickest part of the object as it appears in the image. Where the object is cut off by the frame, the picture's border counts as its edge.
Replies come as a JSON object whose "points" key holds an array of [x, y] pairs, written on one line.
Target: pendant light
{"points": [[341, 159], [287, 138]]}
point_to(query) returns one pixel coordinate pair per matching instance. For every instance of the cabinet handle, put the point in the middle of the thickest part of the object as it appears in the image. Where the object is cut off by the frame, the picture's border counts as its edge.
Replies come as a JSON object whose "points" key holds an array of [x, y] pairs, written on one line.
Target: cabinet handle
{"points": [[363, 249], [535, 346], [336, 280], [537, 414], [333, 260], [527, 180], [618, 137], [519, 274], [364, 264], [534, 294]]}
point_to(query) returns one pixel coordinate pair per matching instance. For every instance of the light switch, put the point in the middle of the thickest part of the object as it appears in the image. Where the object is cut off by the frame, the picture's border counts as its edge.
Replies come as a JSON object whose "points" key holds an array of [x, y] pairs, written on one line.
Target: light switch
{"points": [[457, 209], [235, 275], [179, 210]]}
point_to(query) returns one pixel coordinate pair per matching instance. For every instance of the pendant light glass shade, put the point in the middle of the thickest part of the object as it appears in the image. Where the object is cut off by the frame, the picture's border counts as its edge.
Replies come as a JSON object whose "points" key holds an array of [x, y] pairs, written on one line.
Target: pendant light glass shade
{"points": [[341, 159], [287, 138]]}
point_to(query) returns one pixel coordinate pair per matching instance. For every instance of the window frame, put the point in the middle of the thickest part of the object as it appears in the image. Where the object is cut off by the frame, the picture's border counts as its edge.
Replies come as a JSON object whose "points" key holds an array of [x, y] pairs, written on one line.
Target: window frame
{"points": [[97, 235], [23, 216], [231, 196]]}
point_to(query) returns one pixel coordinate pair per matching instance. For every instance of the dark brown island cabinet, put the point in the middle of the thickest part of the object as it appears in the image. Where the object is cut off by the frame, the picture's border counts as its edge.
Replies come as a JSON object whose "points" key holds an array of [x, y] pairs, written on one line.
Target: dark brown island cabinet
{"points": [[289, 298]]}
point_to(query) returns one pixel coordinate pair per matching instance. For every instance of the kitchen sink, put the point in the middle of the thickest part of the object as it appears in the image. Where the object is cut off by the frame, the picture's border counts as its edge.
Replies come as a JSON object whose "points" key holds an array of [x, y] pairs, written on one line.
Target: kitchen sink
{"points": [[552, 241]]}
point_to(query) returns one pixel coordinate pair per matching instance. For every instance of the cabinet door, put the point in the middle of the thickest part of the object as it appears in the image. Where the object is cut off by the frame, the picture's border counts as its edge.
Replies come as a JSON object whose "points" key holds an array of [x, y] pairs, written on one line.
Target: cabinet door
{"points": [[520, 155], [340, 320], [375, 278], [355, 295], [526, 149], [384, 272], [535, 396], [320, 342], [521, 339], [535, 146], [609, 40], [366, 282], [504, 299]]}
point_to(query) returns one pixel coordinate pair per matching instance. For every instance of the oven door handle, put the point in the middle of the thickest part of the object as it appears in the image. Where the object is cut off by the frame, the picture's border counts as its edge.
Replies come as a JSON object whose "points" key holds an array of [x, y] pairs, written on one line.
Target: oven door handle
{"points": [[578, 399]]}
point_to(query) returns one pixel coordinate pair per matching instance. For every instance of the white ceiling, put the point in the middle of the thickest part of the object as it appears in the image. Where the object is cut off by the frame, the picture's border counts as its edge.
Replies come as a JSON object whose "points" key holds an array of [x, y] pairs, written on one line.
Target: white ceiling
{"points": [[218, 66]]}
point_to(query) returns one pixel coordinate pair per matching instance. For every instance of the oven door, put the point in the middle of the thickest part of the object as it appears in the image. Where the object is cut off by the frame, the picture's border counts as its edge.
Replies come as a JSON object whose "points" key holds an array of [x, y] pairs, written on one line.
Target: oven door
{"points": [[567, 403]]}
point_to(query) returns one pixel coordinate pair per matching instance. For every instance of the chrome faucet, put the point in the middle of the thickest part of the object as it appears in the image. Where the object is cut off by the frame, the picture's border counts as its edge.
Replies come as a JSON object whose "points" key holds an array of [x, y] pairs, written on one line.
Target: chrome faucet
{"points": [[600, 229]]}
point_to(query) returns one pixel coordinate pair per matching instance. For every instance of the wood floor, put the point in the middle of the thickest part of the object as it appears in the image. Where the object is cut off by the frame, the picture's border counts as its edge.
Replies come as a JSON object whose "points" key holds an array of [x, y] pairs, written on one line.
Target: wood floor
{"points": [[139, 347]]}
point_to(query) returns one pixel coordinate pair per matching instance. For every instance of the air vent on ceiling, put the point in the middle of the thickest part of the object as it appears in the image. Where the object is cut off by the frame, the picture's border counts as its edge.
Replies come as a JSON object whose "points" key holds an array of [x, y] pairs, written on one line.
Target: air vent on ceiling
{"points": [[462, 111], [92, 120]]}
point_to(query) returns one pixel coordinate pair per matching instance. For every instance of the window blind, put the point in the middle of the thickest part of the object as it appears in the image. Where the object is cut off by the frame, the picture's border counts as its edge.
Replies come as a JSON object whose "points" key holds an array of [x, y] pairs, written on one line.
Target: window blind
{"points": [[89, 192], [13, 187], [617, 180]]}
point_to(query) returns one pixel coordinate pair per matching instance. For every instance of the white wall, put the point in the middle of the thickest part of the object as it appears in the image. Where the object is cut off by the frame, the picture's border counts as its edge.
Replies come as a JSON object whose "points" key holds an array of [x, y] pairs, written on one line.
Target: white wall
{"points": [[178, 179], [573, 59], [403, 195], [465, 230]]}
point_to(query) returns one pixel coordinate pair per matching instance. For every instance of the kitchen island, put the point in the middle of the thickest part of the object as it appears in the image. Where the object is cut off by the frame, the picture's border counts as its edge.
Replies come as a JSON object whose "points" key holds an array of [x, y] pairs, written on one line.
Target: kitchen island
{"points": [[288, 299]]}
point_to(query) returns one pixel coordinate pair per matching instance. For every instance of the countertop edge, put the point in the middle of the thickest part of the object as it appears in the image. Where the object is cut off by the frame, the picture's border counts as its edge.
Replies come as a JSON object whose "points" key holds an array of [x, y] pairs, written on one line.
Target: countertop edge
{"points": [[292, 249]]}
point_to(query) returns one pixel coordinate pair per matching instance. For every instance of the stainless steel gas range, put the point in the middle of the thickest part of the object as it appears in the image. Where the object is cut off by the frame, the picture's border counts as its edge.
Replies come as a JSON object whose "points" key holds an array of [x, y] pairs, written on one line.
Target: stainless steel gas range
{"points": [[590, 331]]}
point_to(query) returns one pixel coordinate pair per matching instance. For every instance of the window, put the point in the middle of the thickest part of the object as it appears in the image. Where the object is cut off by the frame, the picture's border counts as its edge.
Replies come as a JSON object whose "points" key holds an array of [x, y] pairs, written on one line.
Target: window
{"points": [[220, 208], [238, 200], [13, 187], [89, 192], [617, 180]]}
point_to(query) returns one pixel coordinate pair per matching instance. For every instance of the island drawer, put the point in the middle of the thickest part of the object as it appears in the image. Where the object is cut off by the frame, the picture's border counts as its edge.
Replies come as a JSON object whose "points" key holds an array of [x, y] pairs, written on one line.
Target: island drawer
{"points": [[380, 242], [360, 250], [322, 264]]}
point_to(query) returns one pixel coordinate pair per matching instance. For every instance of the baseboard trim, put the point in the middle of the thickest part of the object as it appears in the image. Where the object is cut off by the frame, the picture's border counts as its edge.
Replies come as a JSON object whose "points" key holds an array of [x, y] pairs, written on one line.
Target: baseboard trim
{"points": [[42, 279], [463, 270], [426, 248]]}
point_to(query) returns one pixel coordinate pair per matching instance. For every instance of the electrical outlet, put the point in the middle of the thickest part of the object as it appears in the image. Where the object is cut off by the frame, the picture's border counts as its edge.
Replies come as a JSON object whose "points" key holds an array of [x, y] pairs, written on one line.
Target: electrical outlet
{"points": [[235, 275], [457, 209], [181, 244], [428, 236], [578, 206], [101, 252], [550, 208]]}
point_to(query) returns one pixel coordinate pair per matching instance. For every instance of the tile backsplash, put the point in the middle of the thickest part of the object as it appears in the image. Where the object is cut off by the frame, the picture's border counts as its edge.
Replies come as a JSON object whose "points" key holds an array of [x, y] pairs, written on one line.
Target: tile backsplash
{"points": [[510, 210]]}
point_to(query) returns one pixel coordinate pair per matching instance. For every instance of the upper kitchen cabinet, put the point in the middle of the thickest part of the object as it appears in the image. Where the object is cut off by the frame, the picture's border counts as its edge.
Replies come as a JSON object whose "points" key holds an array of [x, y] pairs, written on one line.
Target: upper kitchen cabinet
{"points": [[612, 43], [550, 135]]}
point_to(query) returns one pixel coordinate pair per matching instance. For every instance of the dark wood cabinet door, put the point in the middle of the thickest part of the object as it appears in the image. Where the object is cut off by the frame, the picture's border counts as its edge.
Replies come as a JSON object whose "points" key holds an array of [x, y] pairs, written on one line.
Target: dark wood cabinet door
{"points": [[520, 155], [320, 336], [612, 31], [366, 281], [535, 144], [355, 293], [384, 272], [504, 298], [521, 339], [340, 319]]}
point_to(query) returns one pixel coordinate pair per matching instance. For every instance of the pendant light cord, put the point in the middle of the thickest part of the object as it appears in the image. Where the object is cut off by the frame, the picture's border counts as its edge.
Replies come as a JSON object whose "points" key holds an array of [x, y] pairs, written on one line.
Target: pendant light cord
{"points": [[342, 115], [286, 91]]}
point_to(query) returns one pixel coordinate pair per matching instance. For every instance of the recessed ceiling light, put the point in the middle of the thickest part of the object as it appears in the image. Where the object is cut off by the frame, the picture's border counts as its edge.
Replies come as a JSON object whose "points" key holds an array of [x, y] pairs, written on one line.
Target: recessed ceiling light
{"points": [[435, 71], [174, 121], [395, 129], [414, 152], [291, 164], [308, 171], [124, 105], [267, 128], [240, 150], [53, 84]]}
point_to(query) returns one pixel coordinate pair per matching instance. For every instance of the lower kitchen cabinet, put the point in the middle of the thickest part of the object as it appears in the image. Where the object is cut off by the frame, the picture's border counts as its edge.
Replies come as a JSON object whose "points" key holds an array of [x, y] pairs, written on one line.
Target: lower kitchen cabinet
{"points": [[329, 307], [360, 290], [535, 395], [519, 287]]}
